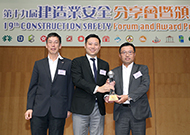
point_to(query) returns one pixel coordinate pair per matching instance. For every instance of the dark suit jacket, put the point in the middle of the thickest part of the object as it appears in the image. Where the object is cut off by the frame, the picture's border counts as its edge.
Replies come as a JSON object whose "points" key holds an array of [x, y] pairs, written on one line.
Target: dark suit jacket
{"points": [[137, 91], [44, 94], [83, 97]]}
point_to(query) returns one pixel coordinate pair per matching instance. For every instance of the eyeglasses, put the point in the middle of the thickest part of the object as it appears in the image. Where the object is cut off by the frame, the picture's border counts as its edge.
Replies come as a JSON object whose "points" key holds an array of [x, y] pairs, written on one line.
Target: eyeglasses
{"points": [[129, 52]]}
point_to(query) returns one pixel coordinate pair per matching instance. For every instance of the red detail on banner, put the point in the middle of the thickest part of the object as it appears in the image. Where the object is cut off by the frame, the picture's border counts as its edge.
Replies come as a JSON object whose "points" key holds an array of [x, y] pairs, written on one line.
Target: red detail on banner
{"points": [[80, 38], [106, 39], [43, 38], [69, 38]]}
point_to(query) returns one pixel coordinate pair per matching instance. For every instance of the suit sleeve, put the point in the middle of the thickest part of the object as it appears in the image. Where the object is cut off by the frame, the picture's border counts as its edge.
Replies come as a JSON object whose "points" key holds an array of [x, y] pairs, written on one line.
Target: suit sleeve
{"points": [[70, 88], [32, 87], [78, 79], [143, 86]]}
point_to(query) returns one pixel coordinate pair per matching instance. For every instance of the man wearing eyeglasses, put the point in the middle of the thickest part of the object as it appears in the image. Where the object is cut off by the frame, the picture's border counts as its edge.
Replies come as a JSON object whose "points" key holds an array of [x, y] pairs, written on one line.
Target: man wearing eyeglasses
{"points": [[131, 85]]}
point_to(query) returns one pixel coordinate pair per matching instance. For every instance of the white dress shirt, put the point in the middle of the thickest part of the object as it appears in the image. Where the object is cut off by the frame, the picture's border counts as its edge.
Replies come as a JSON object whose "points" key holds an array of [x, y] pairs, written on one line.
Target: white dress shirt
{"points": [[53, 65], [91, 65], [126, 77]]}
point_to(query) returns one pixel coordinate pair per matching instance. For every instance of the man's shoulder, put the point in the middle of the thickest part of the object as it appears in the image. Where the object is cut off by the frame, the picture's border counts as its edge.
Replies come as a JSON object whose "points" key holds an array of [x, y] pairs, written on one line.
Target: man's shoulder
{"points": [[46, 60], [103, 61], [140, 65], [79, 58], [117, 68], [66, 59], [41, 60]]}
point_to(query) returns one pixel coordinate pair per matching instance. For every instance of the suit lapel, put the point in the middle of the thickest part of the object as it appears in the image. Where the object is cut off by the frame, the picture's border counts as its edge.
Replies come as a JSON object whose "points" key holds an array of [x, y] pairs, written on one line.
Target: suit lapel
{"points": [[60, 64], [88, 68], [99, 66], [98, 70], [120, 92], [46, 67], [134, 70]]}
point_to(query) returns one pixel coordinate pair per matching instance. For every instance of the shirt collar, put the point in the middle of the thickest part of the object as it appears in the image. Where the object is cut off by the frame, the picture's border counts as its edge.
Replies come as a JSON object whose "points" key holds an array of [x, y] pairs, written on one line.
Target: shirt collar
{"points": [[59, 57], [88, 56], [129, 66]]}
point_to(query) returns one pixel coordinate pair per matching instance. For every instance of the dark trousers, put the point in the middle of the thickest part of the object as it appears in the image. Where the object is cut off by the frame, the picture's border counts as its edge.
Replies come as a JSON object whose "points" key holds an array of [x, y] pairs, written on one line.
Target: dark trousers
{"points": [[39, 125], [127, 122]]}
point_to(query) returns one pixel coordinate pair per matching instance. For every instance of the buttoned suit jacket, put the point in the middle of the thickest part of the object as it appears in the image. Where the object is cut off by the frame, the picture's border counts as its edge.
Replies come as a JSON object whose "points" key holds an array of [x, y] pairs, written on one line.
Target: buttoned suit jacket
{"points": [[83, 98], [138, 88], [45, 94]]}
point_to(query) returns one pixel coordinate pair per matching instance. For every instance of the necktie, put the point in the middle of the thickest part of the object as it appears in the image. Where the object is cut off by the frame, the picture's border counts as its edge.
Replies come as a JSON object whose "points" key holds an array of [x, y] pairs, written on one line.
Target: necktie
{"points": [[94, 68]]}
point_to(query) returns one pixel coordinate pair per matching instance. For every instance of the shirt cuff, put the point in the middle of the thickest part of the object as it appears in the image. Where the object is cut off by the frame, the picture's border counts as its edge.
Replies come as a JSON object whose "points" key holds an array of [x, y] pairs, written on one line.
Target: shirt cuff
{"points": [[95, 90], [106, 95], [129, 98]]}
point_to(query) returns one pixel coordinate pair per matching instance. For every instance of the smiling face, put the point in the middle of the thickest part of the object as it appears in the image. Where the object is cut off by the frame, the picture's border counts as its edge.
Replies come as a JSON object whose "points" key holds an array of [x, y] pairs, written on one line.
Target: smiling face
{"points": [[92, 46], [53, 45], [127, 55]]}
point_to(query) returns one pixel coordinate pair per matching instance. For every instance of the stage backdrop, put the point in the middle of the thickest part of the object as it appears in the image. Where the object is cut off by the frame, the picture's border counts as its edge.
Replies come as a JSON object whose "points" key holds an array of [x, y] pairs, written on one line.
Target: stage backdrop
{"points": [[145, 23]]}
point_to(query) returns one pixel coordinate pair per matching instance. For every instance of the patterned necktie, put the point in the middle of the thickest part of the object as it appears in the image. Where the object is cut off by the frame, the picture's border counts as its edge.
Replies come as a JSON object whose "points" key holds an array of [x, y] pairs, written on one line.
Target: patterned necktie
{"points": [[94, 68]]}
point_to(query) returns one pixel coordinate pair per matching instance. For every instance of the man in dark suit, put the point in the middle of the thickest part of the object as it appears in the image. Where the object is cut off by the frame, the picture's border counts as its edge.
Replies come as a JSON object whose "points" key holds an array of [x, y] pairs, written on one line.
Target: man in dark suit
{"points": [[131, 85], [50, 91], [89, 75]]}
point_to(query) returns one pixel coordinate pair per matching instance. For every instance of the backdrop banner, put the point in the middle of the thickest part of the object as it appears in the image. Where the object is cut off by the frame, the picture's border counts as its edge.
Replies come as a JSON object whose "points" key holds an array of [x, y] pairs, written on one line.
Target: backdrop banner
{"points": [[152, 23]]}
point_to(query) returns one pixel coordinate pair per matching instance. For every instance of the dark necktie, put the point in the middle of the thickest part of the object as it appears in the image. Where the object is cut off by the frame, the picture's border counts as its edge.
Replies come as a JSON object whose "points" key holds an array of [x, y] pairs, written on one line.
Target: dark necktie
{"points": [[94, 68]]}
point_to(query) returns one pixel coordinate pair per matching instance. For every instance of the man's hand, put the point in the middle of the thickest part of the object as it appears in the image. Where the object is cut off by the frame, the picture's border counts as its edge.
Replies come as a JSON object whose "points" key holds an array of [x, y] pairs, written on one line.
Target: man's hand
{"points": [[122, 99], [68, 114], [28, 114], [107, 99], [106, 87]]}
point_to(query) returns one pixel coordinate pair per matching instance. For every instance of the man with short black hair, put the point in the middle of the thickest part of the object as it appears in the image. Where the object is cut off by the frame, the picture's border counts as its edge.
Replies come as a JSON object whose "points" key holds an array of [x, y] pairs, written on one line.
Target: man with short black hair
{"points": [[131, 85], [50, 91], [89, 75]]}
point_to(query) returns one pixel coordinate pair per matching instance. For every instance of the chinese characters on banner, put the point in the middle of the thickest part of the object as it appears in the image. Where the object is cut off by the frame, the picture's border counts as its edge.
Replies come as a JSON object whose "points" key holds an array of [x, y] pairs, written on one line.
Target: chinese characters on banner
{"points": [[115, 24]]}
